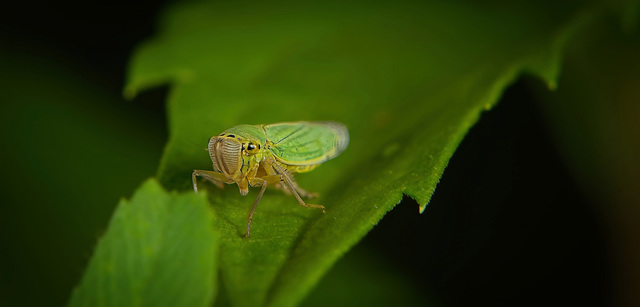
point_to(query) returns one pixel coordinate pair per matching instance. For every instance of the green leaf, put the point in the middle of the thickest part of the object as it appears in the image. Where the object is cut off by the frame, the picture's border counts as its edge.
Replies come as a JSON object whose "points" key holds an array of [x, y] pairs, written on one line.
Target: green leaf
{"points": [[344, 284], [160, 250], [408, 79]]}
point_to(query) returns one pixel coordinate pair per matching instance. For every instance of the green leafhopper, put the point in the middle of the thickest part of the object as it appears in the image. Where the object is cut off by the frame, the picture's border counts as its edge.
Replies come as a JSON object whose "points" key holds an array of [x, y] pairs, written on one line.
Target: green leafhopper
{"points": [[259, 155]]}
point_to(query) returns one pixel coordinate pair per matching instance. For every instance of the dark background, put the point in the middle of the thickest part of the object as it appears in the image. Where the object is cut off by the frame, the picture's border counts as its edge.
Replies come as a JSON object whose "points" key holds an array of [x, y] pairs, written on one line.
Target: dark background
{"points": [[71, 145], [507, 224]]}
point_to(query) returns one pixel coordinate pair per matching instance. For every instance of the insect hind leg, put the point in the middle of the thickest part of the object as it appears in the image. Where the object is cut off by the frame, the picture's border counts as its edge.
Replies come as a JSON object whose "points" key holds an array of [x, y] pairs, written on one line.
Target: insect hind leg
{"points": [[288, 182], [303, 193], [295, 193]]}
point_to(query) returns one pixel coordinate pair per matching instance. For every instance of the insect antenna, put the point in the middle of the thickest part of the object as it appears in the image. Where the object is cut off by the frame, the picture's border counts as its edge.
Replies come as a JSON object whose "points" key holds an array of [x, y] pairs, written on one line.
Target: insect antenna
{"points": [[194, 144]]}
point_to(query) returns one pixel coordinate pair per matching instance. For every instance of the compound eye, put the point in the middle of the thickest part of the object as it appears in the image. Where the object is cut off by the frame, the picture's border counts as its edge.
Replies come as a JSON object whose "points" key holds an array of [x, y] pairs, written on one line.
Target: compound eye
{"points": [[251, 146]]}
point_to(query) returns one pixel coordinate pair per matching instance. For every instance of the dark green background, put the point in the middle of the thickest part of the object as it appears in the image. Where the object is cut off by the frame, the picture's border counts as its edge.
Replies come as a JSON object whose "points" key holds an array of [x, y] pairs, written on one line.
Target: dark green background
{"points": [[71, 147]]}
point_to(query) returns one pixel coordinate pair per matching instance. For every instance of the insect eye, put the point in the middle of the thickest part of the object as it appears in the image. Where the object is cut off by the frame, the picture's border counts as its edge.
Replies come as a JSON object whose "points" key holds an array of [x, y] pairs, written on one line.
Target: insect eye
{"points": [[251, 146]]}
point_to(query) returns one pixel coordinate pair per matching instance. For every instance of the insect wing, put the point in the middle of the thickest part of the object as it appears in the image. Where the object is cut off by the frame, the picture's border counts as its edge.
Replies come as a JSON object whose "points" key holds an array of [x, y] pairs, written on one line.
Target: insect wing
{"points": [[307, 143]]}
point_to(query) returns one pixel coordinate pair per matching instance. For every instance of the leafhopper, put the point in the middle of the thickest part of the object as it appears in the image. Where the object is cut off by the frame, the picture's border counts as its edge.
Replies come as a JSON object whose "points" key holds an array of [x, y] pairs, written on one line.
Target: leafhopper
{"points": [[262, 155]]}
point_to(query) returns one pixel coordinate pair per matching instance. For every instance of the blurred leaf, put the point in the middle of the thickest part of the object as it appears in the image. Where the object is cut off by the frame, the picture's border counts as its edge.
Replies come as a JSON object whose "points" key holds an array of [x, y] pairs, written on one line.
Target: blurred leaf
{"points": [[408, 79], [159, 251]]}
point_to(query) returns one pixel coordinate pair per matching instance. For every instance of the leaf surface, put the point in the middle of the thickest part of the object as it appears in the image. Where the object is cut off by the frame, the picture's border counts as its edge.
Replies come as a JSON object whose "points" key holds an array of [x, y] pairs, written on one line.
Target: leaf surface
{"points": [[408, 79], [159, 250]]}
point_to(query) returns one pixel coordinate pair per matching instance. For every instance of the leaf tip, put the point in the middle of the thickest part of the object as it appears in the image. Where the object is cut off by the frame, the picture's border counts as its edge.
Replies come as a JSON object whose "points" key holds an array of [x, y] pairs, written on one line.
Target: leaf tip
{"points": [[422, 207]]}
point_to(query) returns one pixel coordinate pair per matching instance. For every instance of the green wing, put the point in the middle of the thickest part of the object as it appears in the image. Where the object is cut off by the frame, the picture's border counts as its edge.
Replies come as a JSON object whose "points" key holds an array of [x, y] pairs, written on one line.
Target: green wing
{"points": [[307, 143]]}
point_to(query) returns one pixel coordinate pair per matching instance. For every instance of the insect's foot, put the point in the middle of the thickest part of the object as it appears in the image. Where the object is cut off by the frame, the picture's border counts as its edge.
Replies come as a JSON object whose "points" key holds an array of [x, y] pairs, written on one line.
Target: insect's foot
{"points": [[318, 206]]}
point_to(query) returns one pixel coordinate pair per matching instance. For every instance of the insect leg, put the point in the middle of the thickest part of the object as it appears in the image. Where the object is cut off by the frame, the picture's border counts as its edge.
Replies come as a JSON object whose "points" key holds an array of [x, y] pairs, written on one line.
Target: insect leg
{"points": [[303, 193], [281, 185], [286, 179], [216, 178], [300, 190], [255, 203]]}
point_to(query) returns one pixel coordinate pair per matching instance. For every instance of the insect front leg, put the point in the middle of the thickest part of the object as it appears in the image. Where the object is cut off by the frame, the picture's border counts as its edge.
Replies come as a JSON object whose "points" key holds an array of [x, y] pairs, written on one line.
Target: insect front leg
{"points": [[216, 178], [263, 182]]}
